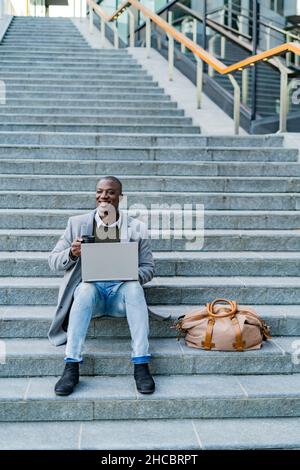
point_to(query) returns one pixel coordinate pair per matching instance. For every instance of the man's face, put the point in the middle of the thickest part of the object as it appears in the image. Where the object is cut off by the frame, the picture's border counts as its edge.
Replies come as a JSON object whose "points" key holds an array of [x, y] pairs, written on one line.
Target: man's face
{"points": [[107, 195]]}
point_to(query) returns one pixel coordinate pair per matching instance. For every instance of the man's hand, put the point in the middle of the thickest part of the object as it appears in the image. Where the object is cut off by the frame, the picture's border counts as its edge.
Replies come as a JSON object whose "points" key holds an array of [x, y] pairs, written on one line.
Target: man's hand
{"points": [[76, 247]]}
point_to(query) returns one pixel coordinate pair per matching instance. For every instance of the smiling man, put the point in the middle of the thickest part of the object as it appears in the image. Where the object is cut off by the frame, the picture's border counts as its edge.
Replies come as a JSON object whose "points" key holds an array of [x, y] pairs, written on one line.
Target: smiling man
{"points": [[79, 301]]}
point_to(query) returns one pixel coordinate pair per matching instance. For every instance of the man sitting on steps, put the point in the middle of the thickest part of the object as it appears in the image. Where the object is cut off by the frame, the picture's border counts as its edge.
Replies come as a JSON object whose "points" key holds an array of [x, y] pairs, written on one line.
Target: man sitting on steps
{"points": [[78, 301]]}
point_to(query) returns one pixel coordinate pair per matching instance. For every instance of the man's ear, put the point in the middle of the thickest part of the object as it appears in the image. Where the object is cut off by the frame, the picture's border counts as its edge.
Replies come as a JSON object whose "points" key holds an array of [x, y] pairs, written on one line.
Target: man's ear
{"points": [[120, 197]]}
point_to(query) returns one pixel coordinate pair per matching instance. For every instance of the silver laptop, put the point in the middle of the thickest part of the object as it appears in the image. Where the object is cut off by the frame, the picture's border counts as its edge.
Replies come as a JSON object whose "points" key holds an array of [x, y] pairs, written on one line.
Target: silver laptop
{"points": [[109, 261]]}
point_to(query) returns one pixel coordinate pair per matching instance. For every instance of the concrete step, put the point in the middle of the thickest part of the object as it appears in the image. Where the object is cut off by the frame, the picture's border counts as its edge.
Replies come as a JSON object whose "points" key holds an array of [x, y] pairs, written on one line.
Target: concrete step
{"points": [[35, 57], [141, 153], [70, 62], [150, 94], [132, 101], [107, 356], [23, 321], [210, 200], [43, 29], [146, 140], [20, 20], [58, 182], [99, 54], [78, 83], [129, 119], [75, 68], [142, 87], [58, 57], [41, 239], [83, 75], [69, 65], [36, 25], [185, 264], [286, 223], [43, 32], [17, 32], [167, 290], [138, 151], [233, 397], [18, 42], [158, 434], [74, 127], [18, 163], [23, 40], [60, 49], [55, 36], [87, 112]]}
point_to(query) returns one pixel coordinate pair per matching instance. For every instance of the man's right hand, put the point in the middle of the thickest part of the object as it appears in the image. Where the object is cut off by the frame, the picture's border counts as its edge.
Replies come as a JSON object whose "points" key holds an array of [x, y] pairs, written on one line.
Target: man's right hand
{"points": [[76, 247]]}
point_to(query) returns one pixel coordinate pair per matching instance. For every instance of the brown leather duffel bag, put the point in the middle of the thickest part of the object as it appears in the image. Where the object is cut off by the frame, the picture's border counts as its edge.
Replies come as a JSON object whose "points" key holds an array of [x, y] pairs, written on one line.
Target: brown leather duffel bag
{"points": [[223, 327]]}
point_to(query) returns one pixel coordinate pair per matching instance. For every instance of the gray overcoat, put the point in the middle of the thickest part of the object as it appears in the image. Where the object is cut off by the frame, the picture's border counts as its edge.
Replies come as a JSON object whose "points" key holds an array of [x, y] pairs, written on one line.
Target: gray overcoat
{"points": [[130, 230]]}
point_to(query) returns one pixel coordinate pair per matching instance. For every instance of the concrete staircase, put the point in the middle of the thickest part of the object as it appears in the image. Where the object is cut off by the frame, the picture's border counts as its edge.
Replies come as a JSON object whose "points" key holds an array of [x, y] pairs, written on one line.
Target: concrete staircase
{"points": [[72, 115]]}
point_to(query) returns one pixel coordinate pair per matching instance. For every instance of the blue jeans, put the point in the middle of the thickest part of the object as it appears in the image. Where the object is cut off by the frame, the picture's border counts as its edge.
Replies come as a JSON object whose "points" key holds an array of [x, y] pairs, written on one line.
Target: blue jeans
{"points": [[112, 298]]}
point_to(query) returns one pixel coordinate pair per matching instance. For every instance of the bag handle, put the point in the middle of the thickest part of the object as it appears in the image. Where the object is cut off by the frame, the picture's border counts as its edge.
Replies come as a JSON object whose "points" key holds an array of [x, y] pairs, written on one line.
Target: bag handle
{"points": [[210, 308]]}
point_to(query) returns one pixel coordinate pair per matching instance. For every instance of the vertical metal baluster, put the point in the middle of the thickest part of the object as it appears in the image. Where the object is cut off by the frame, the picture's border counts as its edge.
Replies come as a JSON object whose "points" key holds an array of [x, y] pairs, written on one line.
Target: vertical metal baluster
{"points": [[148, 37], [199, 81], [131, 28], [245, 86], [237, 103], [91, 19]]}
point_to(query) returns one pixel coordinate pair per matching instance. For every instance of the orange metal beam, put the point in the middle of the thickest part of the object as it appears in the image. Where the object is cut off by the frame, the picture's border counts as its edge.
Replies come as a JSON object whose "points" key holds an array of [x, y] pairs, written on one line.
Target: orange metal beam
{"points": [[98, 10], [192, 46]]}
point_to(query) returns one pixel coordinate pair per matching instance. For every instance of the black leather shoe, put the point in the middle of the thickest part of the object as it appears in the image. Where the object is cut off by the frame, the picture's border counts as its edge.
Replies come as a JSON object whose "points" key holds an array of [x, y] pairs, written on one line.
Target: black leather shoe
{"points": [[68, 380], [143, 378]]}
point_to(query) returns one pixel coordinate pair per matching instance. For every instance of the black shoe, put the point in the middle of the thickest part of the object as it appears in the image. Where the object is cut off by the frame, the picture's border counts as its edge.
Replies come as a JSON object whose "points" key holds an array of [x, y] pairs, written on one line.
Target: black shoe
{"points": [[143, 378], [68, 380]]}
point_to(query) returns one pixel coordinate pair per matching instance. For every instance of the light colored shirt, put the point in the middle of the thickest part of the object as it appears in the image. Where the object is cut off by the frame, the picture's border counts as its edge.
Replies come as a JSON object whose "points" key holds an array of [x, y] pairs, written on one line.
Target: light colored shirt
{"points": [[100, 222]]}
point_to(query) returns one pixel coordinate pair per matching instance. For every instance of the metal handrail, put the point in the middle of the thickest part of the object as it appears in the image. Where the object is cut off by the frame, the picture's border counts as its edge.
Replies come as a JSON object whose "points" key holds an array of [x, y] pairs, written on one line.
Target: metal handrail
{"points": [[219, 66], [268, 26], [211, 23], [282, 31], [263, 23], [105, 18], [200, 53], [219, 28]]}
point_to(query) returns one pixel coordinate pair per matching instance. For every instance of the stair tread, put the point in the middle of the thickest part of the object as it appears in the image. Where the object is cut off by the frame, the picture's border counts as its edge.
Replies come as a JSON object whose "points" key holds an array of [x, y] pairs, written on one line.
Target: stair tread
{"points": [[156, 147], [38, 347], [156, 434], [197, 387], [128, 176], [45, 312], [248, 232], [178, 255], [173, 281], [156, 193]]}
